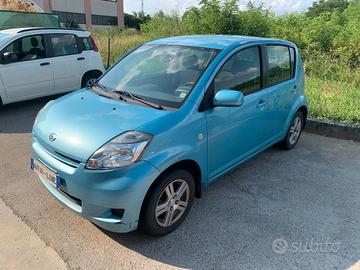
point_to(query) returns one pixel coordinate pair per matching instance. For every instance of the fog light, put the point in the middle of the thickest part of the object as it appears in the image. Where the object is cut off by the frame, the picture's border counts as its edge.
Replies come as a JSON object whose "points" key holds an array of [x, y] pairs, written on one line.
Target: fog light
{"points": [[118, 212]]}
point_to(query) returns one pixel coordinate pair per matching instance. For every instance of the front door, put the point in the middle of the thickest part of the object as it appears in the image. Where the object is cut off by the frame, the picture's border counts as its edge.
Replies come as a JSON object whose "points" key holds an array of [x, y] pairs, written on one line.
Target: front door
{"points": [[235, 133], [32, 74]]}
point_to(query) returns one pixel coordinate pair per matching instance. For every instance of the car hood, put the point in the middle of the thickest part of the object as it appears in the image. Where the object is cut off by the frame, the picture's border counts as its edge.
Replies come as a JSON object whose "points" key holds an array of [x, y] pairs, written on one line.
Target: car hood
{"points": [[83, 121]]}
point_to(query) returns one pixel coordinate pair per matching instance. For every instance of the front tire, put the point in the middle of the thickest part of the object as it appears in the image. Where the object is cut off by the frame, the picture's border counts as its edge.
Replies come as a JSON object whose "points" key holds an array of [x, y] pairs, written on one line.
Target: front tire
{"points": [[168, 203], [294, 132]]}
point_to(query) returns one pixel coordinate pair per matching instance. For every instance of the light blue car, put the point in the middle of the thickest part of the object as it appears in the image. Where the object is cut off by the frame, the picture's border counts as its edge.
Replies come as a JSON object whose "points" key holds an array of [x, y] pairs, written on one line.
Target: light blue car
{"points": [[164, 122]]}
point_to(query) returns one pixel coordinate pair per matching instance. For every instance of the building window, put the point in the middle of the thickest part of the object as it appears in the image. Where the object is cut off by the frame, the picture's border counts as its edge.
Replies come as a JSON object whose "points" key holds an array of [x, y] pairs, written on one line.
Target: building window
{"points": [[104, 20], [70, 17]]}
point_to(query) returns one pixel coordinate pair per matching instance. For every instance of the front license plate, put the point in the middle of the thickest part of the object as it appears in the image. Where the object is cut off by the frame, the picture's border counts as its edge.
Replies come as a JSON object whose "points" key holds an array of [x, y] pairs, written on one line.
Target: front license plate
{"points": [[46, 173]]}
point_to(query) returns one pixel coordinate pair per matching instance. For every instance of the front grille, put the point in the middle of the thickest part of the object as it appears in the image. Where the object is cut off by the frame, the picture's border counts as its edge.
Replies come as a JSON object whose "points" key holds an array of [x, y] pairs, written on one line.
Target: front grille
{"points": [[61, 157], [71, 159]]}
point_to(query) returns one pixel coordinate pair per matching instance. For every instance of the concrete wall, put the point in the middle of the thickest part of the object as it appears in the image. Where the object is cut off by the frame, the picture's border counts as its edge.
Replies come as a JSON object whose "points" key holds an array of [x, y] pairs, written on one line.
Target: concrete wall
{"points": [[40, 3], [105, 8], [76, 6], [87, 7]]}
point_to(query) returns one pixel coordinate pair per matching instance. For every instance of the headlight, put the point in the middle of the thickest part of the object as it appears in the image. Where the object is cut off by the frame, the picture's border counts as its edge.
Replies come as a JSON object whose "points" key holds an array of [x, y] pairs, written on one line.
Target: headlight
{"points": [[123, 150], [43, 108]]}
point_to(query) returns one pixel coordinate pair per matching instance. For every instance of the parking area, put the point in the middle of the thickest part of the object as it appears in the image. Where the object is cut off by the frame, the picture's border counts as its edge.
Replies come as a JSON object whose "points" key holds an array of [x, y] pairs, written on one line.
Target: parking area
{"points": [[281, 210]]}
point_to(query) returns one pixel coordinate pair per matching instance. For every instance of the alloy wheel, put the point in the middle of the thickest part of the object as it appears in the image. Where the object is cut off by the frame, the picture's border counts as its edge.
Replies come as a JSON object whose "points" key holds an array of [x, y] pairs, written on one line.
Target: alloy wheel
{"points": [[91, 82], [295, 130], [172, 203]]}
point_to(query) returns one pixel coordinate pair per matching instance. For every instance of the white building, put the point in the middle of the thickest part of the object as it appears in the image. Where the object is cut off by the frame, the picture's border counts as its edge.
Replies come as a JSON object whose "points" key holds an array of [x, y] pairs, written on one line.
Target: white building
{"points": [[89, 13]]}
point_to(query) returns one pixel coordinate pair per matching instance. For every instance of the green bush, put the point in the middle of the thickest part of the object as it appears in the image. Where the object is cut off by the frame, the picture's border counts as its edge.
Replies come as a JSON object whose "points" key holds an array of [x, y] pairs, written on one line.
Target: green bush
{"points": [[334, 100], [328, 36]]}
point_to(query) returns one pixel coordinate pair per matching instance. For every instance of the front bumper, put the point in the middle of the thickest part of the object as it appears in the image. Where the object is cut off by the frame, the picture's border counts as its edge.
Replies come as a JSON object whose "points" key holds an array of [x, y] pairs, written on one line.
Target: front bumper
{"points": [[95, 194]]}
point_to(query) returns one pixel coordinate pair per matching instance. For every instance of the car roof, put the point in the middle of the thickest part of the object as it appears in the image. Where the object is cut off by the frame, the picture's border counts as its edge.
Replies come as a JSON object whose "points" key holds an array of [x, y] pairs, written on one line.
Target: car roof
{"points": [[14, 31], [219, 42]]}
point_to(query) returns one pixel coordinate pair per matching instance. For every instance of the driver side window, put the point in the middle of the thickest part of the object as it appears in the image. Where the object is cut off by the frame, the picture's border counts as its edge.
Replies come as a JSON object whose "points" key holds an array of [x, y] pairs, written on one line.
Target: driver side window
{"points": [[27, 48], [241, 72]]}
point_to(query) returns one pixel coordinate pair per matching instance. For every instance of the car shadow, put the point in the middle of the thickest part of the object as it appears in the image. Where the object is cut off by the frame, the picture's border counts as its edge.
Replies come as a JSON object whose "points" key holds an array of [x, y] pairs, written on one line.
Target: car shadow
{"points": [[19, 117], [220, 225]]}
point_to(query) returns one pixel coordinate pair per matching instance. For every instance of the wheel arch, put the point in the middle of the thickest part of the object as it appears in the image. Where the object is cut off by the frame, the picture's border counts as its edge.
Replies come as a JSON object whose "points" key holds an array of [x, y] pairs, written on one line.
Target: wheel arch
{"points": [[96, 72], [189, 165], [304, 111], [299, 105]]}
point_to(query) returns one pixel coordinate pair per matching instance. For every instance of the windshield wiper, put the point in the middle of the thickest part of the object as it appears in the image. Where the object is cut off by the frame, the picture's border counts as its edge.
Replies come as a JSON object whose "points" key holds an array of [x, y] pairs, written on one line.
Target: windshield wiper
{"points": [[109, 91], [139, 99]]}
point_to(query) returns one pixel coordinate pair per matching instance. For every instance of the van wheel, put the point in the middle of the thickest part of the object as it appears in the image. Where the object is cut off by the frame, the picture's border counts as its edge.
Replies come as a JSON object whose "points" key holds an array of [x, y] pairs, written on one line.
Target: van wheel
{"points": [[168, 204], [294, 132], [89, 79]]}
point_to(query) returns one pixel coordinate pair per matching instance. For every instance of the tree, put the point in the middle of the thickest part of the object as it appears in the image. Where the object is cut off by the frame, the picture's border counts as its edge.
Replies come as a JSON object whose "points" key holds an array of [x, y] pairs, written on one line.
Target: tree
{"points": [[322, 6], [136, 19]]}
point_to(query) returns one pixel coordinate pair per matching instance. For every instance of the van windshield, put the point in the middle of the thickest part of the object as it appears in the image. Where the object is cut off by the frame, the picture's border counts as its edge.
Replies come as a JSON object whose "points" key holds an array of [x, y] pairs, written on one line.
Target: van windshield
{"points": [[162, 74]]}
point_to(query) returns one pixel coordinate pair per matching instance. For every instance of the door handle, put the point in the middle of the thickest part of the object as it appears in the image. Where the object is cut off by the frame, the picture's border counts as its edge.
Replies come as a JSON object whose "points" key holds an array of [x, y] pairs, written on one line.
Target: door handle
{"points": [[294, 89], [45, 64], [261, 104], [81, 58]]}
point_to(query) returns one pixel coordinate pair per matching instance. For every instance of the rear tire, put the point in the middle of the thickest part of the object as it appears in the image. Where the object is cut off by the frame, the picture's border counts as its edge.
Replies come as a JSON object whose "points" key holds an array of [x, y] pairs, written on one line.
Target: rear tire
{"points": [[89, 79], [168, 203], [294, 132]]}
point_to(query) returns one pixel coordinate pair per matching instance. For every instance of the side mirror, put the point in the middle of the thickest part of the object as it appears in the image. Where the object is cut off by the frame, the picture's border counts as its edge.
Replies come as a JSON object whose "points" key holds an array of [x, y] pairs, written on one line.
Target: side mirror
{"points": [[10, 57], [228, 98]]}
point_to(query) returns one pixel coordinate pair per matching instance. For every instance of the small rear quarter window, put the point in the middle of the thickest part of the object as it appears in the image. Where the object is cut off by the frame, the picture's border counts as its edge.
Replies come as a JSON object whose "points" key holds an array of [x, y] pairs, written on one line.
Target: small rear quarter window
{"points": [[280, 64], [86, 43]]}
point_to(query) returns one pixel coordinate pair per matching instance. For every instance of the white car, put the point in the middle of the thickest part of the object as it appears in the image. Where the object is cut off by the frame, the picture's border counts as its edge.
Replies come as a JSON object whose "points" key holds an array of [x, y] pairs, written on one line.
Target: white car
{"points": [[37, 62]]}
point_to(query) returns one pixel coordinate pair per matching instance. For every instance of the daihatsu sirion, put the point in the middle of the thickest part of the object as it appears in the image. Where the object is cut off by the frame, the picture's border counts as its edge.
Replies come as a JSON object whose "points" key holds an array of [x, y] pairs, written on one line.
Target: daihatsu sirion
{"points": [[37, 62], [164, 122]]}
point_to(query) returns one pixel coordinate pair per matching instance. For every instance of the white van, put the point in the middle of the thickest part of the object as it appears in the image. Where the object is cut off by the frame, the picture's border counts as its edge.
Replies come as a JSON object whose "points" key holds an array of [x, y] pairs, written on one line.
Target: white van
{"points": [[37, 62]]}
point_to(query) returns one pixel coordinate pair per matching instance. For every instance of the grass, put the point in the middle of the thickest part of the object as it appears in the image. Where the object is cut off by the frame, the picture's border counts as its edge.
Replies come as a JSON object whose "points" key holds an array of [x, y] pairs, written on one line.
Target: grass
{"points": [[121, 42], [328, 98], [333, 100]]}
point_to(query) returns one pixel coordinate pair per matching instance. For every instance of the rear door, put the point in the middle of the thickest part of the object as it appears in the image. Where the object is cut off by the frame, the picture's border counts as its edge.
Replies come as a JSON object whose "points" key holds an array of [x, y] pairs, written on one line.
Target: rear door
{"points": [[282, 88], [67, 61], [30, 76]]}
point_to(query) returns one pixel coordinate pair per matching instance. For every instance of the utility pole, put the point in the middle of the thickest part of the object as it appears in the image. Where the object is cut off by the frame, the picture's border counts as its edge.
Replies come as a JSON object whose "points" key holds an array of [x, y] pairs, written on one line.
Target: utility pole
{"points": [[142, 6]]}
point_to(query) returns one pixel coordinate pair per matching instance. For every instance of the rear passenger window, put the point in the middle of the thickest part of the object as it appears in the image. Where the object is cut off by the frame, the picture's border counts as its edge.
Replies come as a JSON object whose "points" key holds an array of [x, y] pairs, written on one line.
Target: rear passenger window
{"points": [[241, 72], [281, 64], [64, 44]]}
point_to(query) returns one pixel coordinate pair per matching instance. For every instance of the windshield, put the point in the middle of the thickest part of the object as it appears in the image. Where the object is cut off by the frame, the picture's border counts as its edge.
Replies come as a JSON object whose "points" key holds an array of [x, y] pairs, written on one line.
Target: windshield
{"points": [[162, 74]]}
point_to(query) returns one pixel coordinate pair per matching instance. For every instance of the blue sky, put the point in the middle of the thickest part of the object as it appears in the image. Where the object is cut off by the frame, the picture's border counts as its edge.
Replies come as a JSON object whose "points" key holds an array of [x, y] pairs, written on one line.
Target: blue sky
{"points": [[151, 6]]}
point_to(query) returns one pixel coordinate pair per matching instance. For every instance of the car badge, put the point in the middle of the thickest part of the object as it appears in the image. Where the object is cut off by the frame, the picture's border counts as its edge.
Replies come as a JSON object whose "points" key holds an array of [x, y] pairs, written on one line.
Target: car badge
{"points": [[52, 137]]}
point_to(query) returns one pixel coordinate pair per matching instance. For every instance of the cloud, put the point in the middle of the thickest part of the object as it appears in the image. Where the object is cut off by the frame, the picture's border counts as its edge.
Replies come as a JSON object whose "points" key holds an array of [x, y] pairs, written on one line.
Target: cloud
{"points": [[287, 6], [152, 6]]}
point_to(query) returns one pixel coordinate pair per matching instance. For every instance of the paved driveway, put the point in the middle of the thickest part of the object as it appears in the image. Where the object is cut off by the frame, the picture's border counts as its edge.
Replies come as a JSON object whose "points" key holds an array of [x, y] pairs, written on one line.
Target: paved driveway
{"points": [[282, 210]]}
